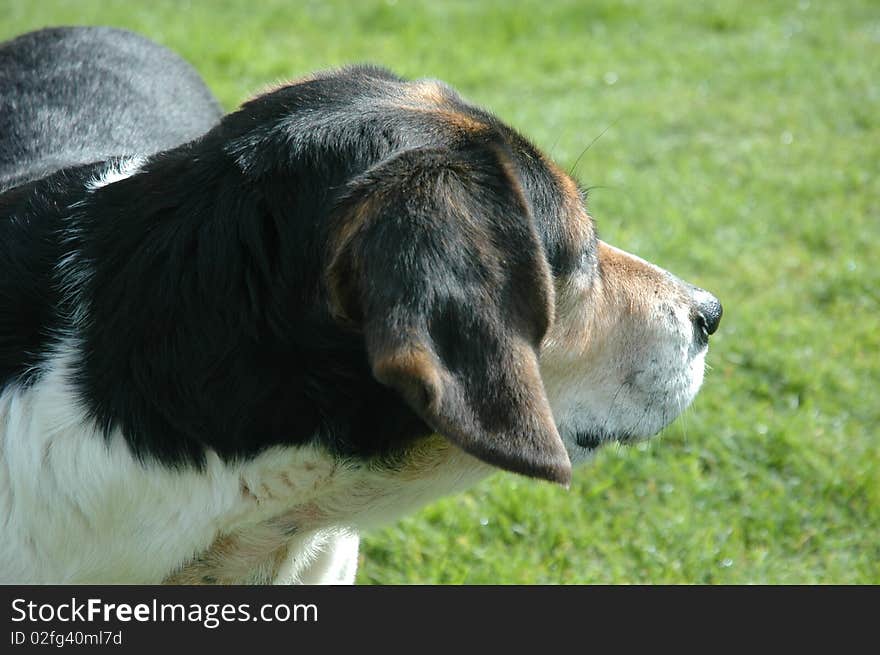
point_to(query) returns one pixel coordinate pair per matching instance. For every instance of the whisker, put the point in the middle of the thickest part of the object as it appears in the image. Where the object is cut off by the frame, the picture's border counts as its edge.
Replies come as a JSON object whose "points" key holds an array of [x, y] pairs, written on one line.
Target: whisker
{"points": [[603, 430], [587, 190], [590, 145], [683, 413], [648, 407]]}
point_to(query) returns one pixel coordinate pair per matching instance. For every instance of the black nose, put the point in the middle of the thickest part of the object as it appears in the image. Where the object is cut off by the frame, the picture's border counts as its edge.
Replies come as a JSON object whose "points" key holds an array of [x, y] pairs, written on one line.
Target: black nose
{"points": [[707, 312]]}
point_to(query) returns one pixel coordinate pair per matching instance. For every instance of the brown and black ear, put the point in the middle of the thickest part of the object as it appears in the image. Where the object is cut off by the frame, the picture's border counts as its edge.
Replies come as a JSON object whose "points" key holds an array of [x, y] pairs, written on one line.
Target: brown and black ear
{"points": [[436, 257]]}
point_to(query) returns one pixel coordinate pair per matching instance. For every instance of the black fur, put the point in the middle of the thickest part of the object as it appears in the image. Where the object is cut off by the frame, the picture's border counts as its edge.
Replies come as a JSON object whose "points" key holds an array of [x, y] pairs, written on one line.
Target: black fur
{"points": [[70, 96], [209, 322], [30, 224]]}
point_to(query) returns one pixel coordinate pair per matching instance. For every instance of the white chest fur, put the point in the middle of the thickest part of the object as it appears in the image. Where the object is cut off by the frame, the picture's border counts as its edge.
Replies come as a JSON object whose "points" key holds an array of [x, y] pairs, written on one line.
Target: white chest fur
{"points": [[78, 508]]}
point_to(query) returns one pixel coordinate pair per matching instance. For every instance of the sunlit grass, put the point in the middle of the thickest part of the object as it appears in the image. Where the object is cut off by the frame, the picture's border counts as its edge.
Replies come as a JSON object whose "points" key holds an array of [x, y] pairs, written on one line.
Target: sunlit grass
{"points": [[742, 154]]}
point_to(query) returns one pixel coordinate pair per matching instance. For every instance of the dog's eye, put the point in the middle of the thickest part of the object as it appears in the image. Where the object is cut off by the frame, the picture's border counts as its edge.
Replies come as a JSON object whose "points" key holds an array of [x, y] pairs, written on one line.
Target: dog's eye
{"points": [[587, 262], [574, 259], [588, 258], [582, 262]]}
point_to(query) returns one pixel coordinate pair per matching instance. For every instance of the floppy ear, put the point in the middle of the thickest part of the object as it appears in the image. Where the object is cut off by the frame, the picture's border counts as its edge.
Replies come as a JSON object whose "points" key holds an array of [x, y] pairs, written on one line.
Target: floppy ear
{"points": [[435, 257]]}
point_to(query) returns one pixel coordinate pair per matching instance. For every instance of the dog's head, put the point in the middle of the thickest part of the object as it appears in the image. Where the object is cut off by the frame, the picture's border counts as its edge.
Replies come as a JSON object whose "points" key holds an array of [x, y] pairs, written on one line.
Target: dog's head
{"points": [[468, 268]]}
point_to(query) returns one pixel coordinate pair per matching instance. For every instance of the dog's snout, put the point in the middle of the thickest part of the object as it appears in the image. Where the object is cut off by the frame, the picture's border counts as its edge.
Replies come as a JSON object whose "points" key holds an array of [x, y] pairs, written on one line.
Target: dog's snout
{"points": [[707, 312]]}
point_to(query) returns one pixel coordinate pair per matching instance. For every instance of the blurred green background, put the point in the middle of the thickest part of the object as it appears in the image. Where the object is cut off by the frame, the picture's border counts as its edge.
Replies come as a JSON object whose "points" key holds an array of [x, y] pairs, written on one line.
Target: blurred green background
{"points": [[742, 153]]}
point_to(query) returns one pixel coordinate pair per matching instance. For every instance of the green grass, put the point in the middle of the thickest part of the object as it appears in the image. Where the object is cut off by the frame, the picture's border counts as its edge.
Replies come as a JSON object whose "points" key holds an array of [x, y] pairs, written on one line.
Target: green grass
{"points": [[743, 155]]}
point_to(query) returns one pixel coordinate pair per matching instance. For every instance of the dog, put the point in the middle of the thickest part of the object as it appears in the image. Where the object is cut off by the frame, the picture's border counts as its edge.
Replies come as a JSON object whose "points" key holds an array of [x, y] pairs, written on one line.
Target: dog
{"points": [[230, 345]]}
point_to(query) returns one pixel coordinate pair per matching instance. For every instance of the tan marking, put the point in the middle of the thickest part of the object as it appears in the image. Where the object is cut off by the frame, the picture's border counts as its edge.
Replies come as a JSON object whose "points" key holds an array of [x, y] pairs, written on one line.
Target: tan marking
{"points": [[246, 490], [641, 283], [457, 120], [428, 91], [414, 372], [596, 319], [343, 265], [579, 227]]}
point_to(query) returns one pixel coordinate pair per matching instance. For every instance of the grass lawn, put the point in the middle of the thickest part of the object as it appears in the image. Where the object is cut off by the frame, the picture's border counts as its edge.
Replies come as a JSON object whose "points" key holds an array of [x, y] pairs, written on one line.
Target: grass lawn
{"points": [[742, 152]]}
